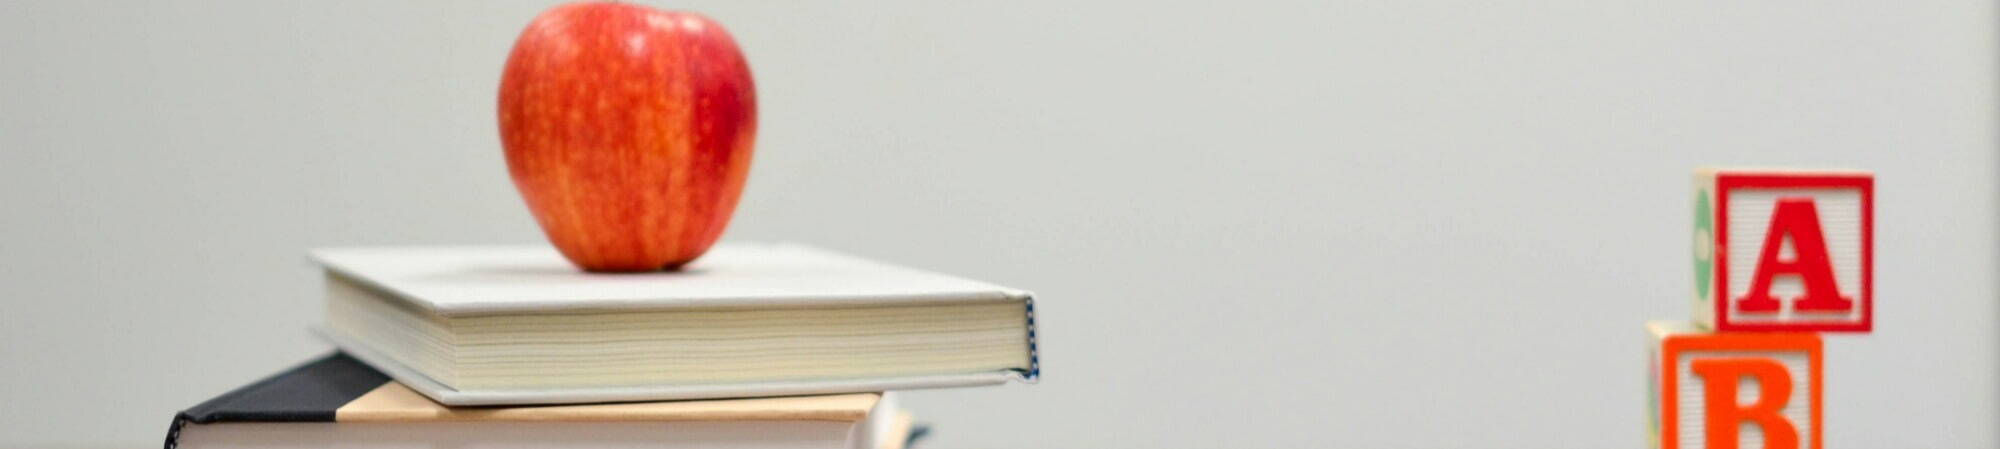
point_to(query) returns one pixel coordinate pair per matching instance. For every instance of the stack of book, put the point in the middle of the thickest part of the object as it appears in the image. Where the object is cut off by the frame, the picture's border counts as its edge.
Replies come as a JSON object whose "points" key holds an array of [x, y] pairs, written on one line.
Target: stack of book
{"points": [[764, 346]]}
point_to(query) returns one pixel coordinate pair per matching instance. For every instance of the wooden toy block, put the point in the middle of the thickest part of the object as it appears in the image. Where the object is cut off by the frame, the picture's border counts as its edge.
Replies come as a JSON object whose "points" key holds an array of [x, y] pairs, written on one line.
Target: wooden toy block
{"points": [[1745, 390], [1784, 250]]}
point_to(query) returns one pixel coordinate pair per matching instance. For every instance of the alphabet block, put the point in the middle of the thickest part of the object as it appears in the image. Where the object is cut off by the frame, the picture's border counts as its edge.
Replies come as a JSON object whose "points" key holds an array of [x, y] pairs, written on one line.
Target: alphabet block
{"points": [[1784, 250], [1734, 390]]}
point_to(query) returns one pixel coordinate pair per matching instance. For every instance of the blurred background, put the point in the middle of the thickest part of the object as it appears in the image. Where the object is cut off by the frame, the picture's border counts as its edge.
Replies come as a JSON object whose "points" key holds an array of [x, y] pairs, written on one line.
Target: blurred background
{"points": [[1250, 224]]}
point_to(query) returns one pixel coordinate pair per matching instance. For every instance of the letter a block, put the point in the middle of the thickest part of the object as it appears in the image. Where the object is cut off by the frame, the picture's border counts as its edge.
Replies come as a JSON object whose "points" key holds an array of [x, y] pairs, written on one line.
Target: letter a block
{"points": [[1784, 250], [1756, 390]]}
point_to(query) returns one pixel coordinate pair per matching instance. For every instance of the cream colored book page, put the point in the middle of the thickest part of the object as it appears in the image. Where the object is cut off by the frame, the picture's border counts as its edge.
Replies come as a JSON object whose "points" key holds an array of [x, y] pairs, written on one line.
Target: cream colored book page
{"points": [[393, 402]]}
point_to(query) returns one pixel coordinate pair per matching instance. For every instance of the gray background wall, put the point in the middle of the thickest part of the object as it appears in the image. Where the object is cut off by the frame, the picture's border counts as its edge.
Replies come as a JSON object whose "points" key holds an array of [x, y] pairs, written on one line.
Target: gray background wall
{"points": [[1365, 224]]}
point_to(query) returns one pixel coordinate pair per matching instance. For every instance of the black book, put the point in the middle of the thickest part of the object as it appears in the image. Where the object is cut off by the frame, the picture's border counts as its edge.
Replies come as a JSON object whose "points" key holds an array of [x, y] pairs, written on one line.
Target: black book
{"points": [[339, 400]]}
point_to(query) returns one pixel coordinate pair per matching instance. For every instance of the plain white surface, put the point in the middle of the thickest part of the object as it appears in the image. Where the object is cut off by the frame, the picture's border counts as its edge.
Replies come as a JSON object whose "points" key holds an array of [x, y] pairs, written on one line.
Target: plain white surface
{"points": [[1338, 223]]}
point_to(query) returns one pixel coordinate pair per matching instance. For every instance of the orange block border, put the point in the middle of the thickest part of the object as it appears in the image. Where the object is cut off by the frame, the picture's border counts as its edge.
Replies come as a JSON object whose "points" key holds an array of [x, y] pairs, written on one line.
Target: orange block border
{"points": [[1673, 345]]}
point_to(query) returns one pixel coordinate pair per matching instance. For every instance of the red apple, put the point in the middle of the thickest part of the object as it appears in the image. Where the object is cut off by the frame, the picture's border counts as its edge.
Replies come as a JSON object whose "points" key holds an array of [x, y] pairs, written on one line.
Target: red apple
{"points": [[628, 130]]}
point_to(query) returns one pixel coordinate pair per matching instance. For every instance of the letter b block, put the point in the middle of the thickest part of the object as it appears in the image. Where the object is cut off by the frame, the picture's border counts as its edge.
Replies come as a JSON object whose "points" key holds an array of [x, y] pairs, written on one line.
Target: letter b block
{"points": [[1784, 250], [1734, 390]]}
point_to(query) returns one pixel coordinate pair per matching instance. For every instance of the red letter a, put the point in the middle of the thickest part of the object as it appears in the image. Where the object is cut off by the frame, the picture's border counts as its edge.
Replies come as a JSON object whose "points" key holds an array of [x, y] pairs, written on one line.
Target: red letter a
{"points": [[1799, 219], [1719, 378]]}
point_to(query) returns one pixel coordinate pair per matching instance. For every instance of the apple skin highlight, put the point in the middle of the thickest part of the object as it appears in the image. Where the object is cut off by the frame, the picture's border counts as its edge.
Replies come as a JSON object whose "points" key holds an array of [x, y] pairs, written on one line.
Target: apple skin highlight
{"points": [[628, 131]]}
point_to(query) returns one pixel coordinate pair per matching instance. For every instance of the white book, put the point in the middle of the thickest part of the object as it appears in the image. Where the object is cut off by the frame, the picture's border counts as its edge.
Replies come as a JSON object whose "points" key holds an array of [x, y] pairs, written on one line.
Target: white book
{"points": [[519, 325]]}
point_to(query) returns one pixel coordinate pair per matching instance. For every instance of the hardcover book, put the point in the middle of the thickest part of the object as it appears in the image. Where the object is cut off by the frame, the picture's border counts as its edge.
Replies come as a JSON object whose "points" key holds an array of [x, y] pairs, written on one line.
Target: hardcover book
{"points": [[516, 325], [337, 401]]}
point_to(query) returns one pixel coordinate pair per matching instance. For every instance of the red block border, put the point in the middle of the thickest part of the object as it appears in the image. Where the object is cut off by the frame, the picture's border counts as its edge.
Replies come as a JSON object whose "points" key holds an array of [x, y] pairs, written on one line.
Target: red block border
{"points": [[1725, 182]]}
